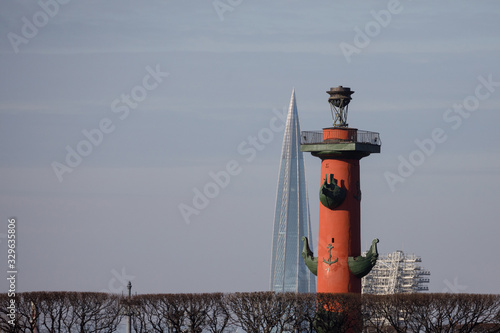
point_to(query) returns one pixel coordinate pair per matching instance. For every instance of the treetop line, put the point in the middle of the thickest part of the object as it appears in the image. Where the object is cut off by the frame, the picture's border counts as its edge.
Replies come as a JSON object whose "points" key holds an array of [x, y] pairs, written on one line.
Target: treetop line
{"points": [[252, 312]]}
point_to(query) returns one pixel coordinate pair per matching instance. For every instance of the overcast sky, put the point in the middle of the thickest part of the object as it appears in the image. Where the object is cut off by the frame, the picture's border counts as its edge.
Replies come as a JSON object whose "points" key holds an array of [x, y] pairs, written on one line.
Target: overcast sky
{"points": [[115, 115]]}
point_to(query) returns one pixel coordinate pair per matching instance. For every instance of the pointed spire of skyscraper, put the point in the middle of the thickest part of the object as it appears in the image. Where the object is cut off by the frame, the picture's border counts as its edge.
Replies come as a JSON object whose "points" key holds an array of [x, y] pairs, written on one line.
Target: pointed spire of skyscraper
{"points": [[291, 219]]}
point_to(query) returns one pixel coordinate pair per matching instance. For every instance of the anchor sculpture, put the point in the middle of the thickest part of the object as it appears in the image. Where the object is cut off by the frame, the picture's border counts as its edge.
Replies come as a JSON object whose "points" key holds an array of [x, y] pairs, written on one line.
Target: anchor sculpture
{"points": [[329, 261], [359, 266]]}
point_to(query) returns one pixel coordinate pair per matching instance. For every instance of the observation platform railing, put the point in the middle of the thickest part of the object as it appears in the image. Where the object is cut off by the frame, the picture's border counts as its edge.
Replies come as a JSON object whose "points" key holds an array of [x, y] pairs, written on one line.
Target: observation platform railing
{"points": [[316, 137]]}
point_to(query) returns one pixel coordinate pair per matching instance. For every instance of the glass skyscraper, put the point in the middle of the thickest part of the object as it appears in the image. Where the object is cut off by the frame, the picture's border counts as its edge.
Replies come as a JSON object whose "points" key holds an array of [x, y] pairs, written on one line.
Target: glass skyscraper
{"points": [[291, 220]]}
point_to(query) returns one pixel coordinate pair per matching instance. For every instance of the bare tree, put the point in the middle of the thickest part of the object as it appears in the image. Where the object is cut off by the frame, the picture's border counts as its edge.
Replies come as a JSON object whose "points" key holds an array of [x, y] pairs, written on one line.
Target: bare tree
{"points": [[245, 311], [8, 320], [148, 314], [425, 313], [259, 312], [12, 318], [218, 315], [195, 308], [55, 310], [373, 311], [175, 314], [302, 312], [432, 313], [394, 311], [72, 312], [479, 313], [93, 312], [133, 307]]}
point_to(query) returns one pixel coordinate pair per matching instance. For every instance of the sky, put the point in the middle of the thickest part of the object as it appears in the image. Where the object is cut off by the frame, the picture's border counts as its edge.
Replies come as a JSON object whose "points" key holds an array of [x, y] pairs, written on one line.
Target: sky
{"points": [[140, 140]]}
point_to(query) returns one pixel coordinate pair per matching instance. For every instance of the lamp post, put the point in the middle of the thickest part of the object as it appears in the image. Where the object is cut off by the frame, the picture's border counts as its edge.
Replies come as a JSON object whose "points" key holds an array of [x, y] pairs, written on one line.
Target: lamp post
{"points": [[129, 310]]}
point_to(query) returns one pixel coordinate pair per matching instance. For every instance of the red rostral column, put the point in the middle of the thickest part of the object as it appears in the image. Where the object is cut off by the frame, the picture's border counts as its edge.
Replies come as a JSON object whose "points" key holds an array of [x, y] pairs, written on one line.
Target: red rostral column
{"points": [[339, 265]]}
